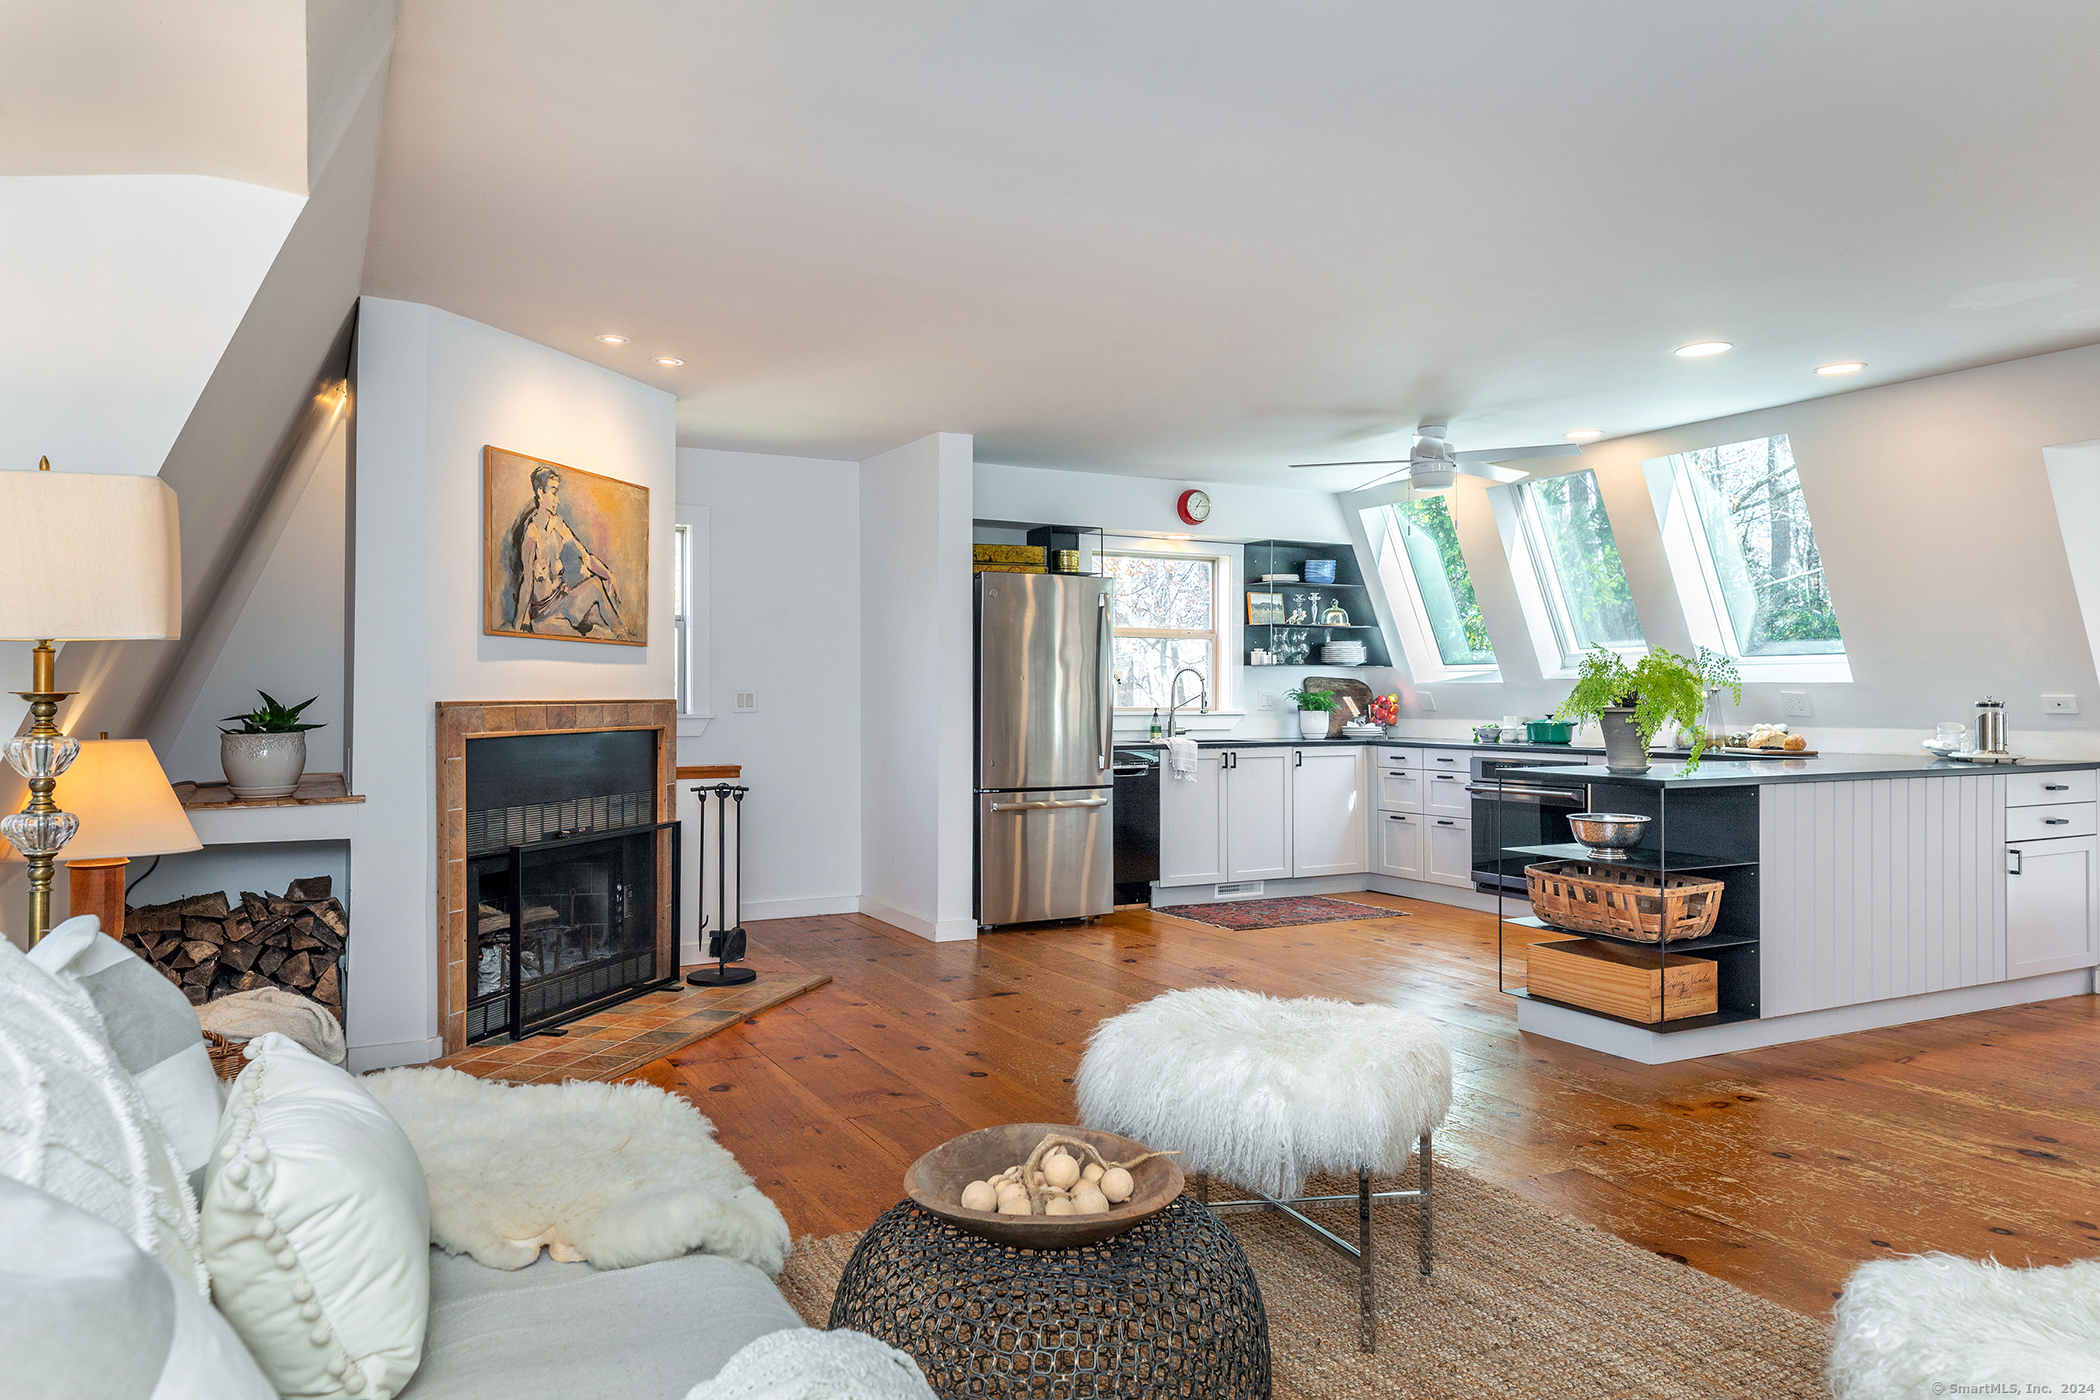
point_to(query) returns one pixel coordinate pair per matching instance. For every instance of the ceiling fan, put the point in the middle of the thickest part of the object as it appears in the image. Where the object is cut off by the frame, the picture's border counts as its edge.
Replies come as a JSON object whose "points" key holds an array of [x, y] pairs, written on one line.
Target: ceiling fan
{"points": [[1432, 467]]}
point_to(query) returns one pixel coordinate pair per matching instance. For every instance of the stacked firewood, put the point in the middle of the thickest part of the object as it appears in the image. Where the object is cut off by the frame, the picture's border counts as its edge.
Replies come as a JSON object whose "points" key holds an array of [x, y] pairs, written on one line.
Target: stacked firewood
{"points": [[209, 948]]}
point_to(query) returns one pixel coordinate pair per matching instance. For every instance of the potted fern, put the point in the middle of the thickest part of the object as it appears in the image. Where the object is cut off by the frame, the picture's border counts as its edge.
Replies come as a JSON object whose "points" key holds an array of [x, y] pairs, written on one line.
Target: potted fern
{"points": [[266, 756], [1632, 704], [1315, 712]]}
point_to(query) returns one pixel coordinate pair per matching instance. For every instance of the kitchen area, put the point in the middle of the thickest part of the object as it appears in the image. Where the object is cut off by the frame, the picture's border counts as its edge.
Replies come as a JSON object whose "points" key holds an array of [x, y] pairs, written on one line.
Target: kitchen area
{"points": [[1658, 911]]}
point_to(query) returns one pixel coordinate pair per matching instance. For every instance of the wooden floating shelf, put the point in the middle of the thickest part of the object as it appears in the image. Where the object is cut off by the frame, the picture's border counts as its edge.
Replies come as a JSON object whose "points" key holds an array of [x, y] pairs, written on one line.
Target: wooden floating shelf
{"points": [[315, 790]]}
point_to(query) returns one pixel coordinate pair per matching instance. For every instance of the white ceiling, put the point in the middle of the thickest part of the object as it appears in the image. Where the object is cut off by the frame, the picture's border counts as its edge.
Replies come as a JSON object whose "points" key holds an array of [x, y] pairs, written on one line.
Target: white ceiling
{"points": [[1208, 239]]}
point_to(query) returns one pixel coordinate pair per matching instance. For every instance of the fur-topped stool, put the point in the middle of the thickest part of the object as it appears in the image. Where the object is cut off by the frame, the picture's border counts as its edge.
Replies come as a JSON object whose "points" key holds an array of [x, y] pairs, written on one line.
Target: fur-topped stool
{"points": [[1265, 1092]]}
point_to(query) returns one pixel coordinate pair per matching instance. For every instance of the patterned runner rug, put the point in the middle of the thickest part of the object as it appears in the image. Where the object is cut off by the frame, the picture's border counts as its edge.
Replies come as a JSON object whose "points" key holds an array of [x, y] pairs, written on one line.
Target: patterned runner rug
{"points": [[1280, 913]]}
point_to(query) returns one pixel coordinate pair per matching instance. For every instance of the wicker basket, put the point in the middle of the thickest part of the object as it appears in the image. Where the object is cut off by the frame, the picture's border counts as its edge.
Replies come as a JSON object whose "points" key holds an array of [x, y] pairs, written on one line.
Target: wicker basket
{"points": [[227, 1059], [1589, 897]]}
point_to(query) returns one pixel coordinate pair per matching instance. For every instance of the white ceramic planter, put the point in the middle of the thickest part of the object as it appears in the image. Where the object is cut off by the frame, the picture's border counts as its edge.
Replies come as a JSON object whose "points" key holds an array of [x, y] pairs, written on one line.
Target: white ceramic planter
{"points": [[262, 765], [1313, 724]]}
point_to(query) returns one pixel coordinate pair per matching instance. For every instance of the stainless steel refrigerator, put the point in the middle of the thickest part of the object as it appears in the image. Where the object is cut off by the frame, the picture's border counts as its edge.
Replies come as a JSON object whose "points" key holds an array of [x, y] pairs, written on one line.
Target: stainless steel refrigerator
{"points": [[1045, 698]]}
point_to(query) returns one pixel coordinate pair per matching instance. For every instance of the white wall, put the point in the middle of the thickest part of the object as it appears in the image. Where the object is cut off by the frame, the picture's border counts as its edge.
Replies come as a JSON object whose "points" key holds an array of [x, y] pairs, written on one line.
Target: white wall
{"points": [[784, 551], [917, 696], [1932, 509], [433, 390], [289, 639]]}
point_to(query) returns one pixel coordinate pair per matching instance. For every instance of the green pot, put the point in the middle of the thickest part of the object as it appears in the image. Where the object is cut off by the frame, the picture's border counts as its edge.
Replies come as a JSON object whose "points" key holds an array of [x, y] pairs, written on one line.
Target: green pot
{"points": [[1549, 731]]}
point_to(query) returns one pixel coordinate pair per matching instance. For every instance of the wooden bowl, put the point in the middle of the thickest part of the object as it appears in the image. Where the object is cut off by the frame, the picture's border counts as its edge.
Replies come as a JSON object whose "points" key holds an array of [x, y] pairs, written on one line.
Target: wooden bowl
{"points": [[936, 1182]]}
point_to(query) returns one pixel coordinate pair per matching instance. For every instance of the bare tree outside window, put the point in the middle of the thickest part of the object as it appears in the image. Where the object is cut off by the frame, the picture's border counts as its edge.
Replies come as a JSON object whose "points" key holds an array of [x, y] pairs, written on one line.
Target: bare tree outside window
{"points": [[1760, 548], [1164, 616]]}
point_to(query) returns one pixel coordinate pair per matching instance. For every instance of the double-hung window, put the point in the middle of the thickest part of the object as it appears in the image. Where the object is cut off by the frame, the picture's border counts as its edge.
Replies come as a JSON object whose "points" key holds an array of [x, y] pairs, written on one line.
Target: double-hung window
{"points": [[1165, 617], [681, 614], [1429, 588], [1744, 557], [1567, 570]]}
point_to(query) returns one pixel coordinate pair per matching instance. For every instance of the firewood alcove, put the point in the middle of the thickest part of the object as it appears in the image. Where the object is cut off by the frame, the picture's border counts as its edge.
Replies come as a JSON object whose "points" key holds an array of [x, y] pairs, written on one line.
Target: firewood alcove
{"points": [[211, 948]]}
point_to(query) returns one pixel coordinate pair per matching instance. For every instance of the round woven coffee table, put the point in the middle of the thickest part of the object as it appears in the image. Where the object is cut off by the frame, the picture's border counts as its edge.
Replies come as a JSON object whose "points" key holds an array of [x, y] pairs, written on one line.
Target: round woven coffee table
{"points": [[1167, 1308]]}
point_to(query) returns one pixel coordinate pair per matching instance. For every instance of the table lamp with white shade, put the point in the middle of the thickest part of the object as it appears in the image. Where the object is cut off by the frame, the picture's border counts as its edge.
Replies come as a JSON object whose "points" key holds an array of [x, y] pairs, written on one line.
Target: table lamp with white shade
{"points": [[90, 557], [126, 807]]}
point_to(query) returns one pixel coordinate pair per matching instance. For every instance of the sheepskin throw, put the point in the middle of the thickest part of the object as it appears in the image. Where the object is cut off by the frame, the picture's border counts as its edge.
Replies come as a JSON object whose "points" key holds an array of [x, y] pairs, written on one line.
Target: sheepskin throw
{"points": [[617, 1174], [1920, 1326], [1265, 1092], [800, 1363]]}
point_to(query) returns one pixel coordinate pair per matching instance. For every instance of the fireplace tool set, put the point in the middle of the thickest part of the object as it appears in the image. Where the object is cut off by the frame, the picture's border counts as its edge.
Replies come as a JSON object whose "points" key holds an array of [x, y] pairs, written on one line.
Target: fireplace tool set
{"points": [[726, 943]]}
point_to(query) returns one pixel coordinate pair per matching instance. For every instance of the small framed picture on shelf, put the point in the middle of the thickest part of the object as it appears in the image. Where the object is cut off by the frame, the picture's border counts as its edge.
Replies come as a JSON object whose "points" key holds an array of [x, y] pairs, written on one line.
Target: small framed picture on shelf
{"points": [[1264, 609]]}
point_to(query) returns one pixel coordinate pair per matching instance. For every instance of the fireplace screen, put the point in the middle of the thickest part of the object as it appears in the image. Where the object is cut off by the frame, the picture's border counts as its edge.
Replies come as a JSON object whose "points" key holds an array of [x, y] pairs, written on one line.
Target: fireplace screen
{"points": [[561, 927]]}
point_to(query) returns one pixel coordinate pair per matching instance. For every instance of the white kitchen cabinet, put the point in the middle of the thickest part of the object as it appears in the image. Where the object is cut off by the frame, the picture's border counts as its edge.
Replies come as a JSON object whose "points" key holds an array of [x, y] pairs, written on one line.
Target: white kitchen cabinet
{"points": [[1459, 761], [1447, 795], [1400, 790], [2049, 905], [1447, 851], [1396, 839], [1327, 812], [1258, 814], [1192, 823], [2030, 789]]}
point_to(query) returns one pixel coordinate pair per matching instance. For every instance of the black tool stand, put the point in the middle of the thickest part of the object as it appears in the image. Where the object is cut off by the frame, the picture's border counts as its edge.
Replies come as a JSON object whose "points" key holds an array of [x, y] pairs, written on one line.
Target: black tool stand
{"points": [[726, 944]]}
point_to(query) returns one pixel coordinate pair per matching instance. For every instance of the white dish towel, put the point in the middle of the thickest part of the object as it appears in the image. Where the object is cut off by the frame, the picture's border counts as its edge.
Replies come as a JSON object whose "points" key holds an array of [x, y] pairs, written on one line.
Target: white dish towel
{"points": [[1181, 759]]}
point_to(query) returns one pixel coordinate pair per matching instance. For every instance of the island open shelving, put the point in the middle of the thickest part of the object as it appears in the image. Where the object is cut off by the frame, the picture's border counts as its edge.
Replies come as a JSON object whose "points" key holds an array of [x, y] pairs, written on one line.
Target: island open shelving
{"points": [[1708, 833]]}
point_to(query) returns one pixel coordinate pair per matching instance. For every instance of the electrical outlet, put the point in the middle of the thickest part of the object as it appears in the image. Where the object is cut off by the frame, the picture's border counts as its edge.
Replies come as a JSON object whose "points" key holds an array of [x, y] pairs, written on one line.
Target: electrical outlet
{"points": [[1268, 701], [747, 702], [2059, 704], [1424, 701], [1794, 703]]}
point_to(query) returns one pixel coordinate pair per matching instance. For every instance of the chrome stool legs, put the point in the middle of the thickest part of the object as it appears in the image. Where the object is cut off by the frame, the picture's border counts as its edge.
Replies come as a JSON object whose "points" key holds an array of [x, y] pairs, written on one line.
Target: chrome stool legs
{"points": [[1362, 1251]]}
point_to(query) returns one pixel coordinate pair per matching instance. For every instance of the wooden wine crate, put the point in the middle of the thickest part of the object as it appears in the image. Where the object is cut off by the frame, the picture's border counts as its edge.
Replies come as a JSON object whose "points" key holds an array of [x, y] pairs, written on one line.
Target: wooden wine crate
{"points": [[1008, 568], [1625, 982], [1009, 554]]}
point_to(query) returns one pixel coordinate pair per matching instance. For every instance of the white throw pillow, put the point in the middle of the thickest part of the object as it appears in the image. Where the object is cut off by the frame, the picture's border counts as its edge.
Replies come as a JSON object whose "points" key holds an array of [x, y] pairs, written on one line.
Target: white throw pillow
{"points": [[317, 1228], [83, 1312], [72, 1122], [152, 1027]]}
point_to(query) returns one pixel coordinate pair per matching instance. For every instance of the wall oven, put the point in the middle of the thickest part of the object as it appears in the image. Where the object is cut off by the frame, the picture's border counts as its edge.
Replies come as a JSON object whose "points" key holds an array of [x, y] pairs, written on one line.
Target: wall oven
{"points": [[1512, 808]]}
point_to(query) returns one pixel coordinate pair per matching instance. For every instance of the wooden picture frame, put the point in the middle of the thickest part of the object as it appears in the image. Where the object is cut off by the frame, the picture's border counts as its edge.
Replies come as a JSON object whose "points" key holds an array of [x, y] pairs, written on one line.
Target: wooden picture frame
{"points": [[1264, 609], [569, 548]]}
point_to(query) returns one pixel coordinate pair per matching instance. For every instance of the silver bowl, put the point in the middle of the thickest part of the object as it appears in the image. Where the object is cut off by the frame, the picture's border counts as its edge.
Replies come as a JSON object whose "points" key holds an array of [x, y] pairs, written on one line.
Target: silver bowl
{"points": [[1609, 835]]}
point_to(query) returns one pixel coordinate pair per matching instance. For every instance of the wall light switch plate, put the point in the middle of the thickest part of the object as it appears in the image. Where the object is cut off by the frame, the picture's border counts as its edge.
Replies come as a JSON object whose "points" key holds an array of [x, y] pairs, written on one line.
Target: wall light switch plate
{"points": [[1795, 704], [747, 702], [2059, 704], [1424, 700], [1268, 701]]}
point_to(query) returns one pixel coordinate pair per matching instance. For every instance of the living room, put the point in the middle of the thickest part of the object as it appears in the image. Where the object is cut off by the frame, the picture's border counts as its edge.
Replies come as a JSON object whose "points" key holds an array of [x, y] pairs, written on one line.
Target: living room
{"points": [[621, 425]]}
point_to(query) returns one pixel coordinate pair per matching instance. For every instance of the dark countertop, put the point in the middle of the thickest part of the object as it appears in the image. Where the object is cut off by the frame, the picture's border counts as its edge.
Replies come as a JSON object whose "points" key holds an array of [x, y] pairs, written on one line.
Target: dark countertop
{"points": [[1546, 749], [1826, 768]]}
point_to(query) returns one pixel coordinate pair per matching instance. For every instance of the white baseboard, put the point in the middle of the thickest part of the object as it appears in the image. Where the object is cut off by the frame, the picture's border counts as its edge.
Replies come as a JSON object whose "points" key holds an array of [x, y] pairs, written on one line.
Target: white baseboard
{"points": [[801, 908], [399, 1052], [945, 931], [1458, 896], [1665, 1048]]}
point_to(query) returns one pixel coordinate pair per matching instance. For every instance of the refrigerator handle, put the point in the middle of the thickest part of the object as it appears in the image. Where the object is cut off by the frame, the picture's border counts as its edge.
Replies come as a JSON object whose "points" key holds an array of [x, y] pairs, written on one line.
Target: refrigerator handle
{"points": [[1108, 683]]}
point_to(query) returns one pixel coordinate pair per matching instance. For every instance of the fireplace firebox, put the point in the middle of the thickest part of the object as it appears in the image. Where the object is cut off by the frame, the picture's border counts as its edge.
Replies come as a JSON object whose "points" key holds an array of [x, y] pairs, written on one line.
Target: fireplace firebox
{"points": [[565, 865]]}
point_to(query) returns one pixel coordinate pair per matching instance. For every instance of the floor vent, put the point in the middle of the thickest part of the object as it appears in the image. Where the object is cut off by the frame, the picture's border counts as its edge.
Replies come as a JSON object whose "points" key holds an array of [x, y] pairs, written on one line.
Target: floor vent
{"points": [[1243, 890]]}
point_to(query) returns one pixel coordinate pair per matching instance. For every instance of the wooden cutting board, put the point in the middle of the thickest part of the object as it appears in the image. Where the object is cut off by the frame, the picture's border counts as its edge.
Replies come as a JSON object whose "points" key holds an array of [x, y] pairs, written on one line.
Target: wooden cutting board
{"points": [[1341, 688]]}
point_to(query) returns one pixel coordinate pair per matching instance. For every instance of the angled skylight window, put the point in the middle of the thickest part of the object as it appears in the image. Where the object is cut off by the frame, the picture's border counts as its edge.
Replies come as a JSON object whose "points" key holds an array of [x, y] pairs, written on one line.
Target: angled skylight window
{"points": [[1567, 568], [1429, 588], [1744, 555]]}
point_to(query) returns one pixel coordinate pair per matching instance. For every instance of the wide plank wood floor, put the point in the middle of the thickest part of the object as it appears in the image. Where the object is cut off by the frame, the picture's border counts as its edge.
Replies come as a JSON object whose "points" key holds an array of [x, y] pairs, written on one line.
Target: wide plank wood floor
{"points": [[1777, 1170]]}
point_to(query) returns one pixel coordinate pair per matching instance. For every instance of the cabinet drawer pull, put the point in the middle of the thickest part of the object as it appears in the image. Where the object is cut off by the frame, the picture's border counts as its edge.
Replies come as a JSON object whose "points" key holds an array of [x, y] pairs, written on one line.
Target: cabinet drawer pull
{"points": [[2056, 821], [1445, 823], [2056, 787], [1392, 818]]}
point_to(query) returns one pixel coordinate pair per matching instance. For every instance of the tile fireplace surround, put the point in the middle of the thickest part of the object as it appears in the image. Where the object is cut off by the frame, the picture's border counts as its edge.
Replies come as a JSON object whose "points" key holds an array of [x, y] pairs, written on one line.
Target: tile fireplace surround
{"points": [[461, 720]]}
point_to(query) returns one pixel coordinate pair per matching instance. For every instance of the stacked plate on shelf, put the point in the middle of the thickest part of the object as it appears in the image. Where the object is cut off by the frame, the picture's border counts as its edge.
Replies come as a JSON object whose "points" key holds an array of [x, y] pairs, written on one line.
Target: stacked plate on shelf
{"points": [[1344, 654]]}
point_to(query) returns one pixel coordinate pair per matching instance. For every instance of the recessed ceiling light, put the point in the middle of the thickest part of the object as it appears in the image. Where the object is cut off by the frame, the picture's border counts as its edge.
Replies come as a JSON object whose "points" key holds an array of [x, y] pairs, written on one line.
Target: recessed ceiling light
{"points": [[669, 361], [613, 339], [1704, 347], [1849, 367], [1585, 434], [1178, 537]]}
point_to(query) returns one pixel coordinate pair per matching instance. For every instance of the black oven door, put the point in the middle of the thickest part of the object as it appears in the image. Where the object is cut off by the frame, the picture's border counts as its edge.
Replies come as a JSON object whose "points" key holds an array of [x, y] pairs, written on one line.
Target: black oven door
{"points": [[1513, 808]]}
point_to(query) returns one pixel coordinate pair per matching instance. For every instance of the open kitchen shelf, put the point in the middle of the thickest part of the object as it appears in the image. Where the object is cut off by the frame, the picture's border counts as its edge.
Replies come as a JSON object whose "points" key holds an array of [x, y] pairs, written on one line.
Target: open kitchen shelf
{"points": [[1713, 832], [1348, 589]]}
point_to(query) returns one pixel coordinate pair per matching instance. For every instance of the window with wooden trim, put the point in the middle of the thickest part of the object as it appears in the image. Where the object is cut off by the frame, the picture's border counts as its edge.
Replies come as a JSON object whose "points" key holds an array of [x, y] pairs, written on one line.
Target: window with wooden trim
{"points": [[1165, 617]]}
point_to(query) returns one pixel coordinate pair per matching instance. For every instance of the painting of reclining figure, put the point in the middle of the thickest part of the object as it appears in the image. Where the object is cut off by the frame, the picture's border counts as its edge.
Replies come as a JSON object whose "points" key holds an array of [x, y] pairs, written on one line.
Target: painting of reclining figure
{"points": [[565, 552]]}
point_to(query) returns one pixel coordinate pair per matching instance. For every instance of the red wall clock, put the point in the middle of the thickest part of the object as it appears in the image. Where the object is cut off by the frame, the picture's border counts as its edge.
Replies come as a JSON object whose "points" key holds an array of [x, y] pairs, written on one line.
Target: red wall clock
{"points": [[1193, 507]]}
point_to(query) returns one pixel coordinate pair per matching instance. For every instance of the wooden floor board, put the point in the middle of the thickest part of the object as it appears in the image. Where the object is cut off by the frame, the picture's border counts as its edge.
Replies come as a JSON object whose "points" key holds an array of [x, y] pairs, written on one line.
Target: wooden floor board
{"points": [[1778, 1170]]}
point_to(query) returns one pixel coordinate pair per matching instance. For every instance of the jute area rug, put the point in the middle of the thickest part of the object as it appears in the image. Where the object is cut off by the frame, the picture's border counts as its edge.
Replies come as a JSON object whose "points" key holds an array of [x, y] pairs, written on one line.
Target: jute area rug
{"points": [[1524, 1302]]}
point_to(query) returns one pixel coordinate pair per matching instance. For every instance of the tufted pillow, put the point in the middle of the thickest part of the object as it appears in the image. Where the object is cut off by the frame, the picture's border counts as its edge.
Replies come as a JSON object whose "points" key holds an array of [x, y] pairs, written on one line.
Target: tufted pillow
{"points": [[84, 1313], [152, 1027], [72, 1123], [317, 1228]]}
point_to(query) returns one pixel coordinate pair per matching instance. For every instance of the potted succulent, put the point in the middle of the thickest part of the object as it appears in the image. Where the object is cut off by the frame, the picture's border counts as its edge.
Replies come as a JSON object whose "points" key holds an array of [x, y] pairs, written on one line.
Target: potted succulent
{"points": [[266, 756], [1315, 712], [1632, 704]]}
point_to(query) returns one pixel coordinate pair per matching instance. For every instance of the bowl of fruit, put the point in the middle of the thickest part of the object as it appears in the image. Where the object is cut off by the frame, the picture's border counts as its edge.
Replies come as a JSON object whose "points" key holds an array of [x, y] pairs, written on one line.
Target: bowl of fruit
{"points": [[1385, 710], [1043, 1185]]}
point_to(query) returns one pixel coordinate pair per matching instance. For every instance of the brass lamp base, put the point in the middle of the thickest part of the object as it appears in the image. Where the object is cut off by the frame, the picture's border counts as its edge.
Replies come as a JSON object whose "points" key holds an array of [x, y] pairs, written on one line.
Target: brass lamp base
{"points": [[40, 760]]}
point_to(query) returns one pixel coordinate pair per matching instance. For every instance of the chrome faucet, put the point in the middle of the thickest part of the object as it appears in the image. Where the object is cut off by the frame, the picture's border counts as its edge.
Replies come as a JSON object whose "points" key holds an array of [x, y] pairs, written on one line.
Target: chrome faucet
{"points": [[1173, 701]]}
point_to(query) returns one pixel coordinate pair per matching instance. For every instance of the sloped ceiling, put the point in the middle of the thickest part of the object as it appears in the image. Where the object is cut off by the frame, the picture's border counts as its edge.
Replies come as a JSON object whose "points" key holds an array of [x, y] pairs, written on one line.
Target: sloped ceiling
{"points": [[1215, 238]]}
